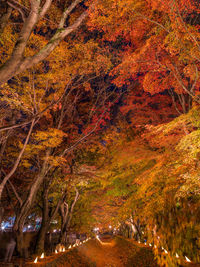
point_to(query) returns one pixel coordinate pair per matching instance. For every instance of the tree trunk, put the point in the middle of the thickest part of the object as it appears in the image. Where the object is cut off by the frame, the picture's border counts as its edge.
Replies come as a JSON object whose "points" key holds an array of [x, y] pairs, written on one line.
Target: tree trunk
{"points": [[27, 204], [66, 217], [47, 217], [45, 222], [20, 240], [41, 238]]}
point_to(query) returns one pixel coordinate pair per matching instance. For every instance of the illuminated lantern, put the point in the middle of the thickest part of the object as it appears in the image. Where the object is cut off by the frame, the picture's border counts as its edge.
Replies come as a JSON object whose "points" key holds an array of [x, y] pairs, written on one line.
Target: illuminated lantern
{"points": [[166, 252], [187, 259], [42, 256]]}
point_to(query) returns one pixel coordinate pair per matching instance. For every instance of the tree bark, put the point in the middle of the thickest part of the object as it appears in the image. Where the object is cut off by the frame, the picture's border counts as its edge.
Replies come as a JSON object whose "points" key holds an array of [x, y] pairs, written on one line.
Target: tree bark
{"points": [[47, 217], [66, 217], [45, 223]]}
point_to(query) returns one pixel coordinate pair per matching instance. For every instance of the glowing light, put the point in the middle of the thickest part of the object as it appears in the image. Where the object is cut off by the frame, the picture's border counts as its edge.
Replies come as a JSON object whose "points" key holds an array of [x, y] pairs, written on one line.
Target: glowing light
{"points": [[42, 256], [69, 247], [36, 260], [56, 251], [60, 249], [142, 232], [145, 243], [74, 245], [162, 248], [188, 260], [177, 256], [139, 241], [110, 226], [166, 252], [102, 243], [63, 250], [150, 244], [155, 246]]}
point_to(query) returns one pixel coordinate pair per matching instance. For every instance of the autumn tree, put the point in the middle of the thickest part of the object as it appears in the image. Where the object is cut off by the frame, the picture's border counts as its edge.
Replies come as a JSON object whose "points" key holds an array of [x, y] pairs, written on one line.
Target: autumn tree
{"points": [[30, 16], [160, 45]]}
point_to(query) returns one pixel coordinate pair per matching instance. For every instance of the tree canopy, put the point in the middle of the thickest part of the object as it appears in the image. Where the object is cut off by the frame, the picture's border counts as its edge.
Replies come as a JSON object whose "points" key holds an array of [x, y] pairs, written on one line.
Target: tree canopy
{"points": [[100, 119]]}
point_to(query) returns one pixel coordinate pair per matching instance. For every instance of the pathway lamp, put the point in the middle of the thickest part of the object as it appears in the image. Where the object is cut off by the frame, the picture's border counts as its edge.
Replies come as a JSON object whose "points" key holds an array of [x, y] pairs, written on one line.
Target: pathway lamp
{"points": [[42, 256], [188, 260]]}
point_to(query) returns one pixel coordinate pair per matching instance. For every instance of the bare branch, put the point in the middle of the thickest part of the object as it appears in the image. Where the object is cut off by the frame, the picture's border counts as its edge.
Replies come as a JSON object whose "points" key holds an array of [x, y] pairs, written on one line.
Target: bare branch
{"points": [[45, 8], [15, 192], [66, 13], [18, 9]]}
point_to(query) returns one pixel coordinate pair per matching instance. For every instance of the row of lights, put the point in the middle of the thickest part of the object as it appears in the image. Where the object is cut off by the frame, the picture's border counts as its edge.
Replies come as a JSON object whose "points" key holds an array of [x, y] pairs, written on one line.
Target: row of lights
{"points": [[166, 252], [62, 249]]}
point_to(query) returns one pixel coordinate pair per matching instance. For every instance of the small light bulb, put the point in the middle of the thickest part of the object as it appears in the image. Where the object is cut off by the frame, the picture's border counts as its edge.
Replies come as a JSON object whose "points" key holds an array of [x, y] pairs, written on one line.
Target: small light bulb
{"points": [[36, 259]]}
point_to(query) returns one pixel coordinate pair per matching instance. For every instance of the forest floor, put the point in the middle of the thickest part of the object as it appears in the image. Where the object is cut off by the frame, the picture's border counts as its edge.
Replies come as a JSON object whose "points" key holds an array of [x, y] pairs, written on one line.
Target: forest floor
{"points": [[109, 252]]}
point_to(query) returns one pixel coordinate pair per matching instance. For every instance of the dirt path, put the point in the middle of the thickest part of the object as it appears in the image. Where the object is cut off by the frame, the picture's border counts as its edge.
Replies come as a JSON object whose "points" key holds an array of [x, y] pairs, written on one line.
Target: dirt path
{"points": [[117, 253]]}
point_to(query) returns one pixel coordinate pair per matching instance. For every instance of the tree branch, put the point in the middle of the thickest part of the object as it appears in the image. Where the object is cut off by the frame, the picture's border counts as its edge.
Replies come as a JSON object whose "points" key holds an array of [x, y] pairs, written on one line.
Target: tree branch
{"points": [[18, 9], [7, 177]]}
